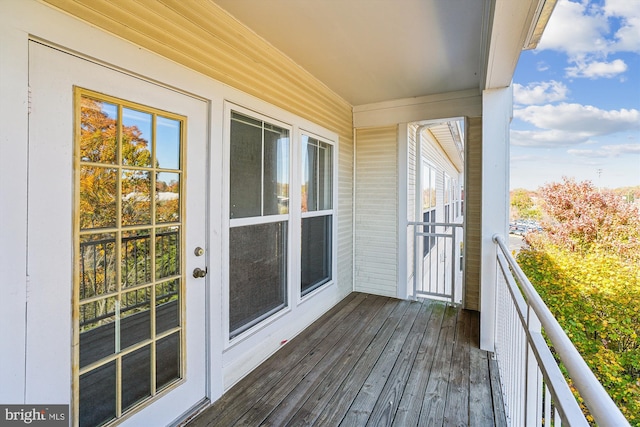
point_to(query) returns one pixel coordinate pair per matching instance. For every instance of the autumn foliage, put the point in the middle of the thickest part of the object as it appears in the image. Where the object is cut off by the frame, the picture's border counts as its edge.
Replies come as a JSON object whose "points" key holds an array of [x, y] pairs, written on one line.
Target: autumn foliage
{"points": [[585, 265]]}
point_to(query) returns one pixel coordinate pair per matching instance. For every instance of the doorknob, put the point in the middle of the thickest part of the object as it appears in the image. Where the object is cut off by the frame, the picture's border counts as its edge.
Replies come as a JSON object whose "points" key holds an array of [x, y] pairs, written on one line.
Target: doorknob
{"points": [[199, 273]]}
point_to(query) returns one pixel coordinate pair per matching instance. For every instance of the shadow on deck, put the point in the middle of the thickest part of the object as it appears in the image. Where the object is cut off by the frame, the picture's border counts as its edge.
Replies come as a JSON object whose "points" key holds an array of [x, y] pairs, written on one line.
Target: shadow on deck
{"points": [[371, 361]]}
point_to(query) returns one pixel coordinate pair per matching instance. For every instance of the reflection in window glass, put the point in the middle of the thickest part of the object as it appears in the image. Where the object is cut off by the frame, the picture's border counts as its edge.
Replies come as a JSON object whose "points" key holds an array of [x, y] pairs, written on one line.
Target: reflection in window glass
{"points": [[135, 253], [135, 317], [259, 156], [167, 252], [167, 306], [136, 197], [136, 138], [167, 197], [136, 372], [317, 171], [129, 187], [97, 265], [98, 385], [167, 143], [98, 131], [98, 195]]}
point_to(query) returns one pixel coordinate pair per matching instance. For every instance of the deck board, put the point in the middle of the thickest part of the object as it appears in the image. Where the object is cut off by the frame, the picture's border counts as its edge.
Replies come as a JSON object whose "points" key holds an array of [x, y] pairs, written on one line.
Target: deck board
{"points": [[370, 361]]}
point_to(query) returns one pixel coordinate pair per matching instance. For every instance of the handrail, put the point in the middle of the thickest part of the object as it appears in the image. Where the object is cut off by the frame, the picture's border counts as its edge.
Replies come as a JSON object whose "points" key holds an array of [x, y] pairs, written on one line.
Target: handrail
{"points": [[601, 406]]}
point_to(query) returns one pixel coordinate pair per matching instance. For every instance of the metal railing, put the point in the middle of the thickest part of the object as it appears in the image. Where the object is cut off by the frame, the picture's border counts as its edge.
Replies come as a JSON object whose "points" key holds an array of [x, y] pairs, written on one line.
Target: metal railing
{"points": [[534, 389], [97, 273], [437, 264]]}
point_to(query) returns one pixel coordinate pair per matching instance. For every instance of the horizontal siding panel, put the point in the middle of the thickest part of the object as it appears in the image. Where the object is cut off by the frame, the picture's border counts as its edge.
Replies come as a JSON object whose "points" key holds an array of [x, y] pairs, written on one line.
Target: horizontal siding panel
{"points": [[251, 65], [376, 211]]}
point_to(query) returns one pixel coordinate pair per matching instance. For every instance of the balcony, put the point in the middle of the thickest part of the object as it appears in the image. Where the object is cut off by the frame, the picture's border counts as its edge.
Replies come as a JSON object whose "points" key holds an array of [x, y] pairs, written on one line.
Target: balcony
{"points": [[372, 360], [378, 361]]}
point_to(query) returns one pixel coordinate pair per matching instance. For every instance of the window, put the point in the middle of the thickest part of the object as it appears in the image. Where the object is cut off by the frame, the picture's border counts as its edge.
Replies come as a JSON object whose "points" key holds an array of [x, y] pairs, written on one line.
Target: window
{"points": [[317, 213], [128, 292], [428, 204], [259, 220], [447, 197]]}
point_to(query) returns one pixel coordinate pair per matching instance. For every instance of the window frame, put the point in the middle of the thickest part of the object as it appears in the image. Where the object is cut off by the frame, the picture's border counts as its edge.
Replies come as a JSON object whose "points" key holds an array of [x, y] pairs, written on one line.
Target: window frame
{"points": [[232, 337], [317, 287], [236, 345]]}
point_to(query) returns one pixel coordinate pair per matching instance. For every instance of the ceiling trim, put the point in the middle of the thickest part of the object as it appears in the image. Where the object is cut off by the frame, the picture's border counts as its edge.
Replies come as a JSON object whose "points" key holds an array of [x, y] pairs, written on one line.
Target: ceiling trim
{"points": [[467, 103]]}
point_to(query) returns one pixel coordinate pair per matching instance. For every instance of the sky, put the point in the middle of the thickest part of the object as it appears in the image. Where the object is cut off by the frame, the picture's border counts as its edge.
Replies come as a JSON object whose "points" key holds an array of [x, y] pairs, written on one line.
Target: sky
{"points": [[577, 98]]}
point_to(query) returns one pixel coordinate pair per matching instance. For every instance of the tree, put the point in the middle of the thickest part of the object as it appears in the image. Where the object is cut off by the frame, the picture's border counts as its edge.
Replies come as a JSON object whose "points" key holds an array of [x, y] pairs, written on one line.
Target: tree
{"points": [[523, 204], [585, 266], [583, 218]]}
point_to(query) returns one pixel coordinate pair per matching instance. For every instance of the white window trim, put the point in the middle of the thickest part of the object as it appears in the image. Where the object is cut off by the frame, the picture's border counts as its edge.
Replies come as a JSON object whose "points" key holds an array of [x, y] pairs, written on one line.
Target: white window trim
{"points": [[309, 214], [229, 223], [297, 127]]}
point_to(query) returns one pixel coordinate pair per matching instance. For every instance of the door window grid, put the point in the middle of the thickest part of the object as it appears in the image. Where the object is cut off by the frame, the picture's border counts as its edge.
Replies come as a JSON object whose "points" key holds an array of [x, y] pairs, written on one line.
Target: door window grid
{"points": [[129, 254]]}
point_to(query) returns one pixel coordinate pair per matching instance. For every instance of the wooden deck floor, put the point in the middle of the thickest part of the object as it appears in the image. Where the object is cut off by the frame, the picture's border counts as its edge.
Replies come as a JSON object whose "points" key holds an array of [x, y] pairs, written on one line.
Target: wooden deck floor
{"points": [[371, 361]]}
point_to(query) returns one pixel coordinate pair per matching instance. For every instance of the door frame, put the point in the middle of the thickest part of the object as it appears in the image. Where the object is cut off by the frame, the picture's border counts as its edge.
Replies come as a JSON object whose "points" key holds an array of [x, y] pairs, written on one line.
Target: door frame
{"points": [[55, 91]]}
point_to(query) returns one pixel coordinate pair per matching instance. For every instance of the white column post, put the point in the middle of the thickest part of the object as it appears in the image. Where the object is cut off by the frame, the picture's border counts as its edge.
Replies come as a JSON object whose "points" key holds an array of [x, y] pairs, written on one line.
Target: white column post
{"points": [[497, 106]]}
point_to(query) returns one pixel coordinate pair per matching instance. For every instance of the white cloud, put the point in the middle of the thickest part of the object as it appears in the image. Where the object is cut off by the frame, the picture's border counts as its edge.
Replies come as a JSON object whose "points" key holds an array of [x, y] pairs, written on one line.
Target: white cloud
{"points": [[580, 119], [575, 30], [547, 138], [627, 38], [539, 92], [585, 32], [596, 69], [607, 151]]}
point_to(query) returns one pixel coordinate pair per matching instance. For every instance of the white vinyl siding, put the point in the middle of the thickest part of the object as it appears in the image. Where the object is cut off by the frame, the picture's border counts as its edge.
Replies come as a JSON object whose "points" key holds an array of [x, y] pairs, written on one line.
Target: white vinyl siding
{"points": [[376, 211]]}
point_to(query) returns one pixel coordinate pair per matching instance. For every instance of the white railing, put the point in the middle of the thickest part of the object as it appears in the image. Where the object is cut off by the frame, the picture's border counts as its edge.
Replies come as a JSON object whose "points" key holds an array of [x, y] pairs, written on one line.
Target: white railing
{"points": [[534, 389], [437, 264]]}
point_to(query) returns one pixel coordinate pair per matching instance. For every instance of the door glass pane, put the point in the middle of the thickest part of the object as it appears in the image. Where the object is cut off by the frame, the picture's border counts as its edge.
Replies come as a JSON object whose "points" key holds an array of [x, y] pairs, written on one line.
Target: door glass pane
{"points": [[97, 330], [129, 283], [135, 251], [136, 376], [167, 306], [168, 143], [135, 317], [136, 197], [167, 252], [97, 265], [98, 196], [167, 360], [98, 131], [167, 197], [98, 395], [257, 277], [136, 138], [316, 252]]}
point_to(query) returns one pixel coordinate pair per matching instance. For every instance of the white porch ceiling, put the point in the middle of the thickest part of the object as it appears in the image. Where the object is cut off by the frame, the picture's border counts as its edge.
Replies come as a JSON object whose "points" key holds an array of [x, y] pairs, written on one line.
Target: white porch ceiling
{"points": [[369, 51]]}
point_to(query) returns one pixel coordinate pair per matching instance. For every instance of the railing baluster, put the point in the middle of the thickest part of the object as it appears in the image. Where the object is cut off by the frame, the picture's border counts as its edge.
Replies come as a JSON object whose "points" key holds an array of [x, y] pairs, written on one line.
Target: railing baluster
{"points": [[526, 318], [430, 278]]}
